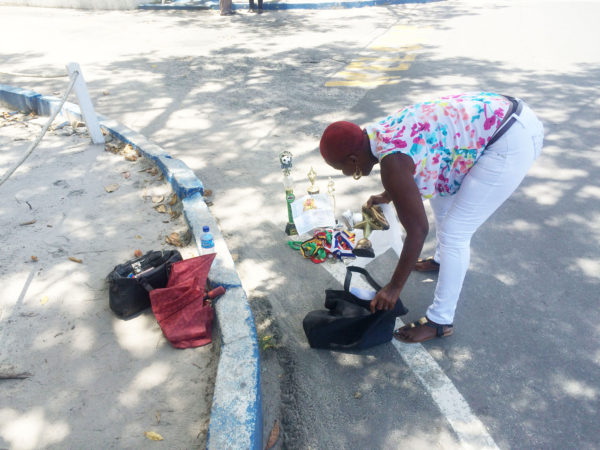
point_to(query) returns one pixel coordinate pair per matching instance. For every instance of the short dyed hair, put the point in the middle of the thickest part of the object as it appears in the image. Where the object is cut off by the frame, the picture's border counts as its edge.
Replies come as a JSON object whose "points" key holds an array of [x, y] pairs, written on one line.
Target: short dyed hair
{"points": [[339, 140]]}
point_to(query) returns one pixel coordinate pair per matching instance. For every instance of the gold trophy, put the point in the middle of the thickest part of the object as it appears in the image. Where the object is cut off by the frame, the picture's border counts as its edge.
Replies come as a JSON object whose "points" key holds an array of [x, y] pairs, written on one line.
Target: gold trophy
{"points": [[312, 176], [372, 219], [285, 159], [331, 192]]}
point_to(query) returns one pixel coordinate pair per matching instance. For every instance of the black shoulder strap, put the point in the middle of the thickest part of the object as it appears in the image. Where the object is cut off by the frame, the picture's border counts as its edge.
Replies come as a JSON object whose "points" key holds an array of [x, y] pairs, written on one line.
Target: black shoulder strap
{"points": [[364, 273]]}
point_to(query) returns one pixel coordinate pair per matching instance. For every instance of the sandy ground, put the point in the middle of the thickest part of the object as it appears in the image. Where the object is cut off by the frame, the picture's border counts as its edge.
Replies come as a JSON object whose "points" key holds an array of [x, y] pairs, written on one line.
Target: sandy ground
{"points": [[75, 375]]}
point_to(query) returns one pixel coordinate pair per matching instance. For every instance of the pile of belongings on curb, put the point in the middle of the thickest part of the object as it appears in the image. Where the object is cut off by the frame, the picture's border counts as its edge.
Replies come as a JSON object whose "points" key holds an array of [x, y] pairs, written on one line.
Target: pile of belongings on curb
{"points": [[178, 290]]}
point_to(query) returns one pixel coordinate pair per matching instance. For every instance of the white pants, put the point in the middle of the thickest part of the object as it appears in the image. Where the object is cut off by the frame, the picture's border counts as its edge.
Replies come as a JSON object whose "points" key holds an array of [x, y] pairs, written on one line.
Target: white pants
{"points": [[496, 174]]}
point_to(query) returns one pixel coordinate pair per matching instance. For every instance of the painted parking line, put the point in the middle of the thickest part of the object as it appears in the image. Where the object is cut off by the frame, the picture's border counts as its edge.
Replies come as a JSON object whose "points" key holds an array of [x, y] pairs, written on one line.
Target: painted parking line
{"points": [[469, 429], [383, 61]]}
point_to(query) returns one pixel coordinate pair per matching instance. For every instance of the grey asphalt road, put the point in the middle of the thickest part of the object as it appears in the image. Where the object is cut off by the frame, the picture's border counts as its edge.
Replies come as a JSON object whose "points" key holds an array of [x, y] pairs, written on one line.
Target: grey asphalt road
{"points": [[227, 94]]}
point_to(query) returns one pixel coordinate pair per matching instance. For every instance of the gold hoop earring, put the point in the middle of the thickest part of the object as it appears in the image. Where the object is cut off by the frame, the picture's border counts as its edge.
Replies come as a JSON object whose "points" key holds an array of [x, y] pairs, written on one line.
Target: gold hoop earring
{"points": [[357, 173]]}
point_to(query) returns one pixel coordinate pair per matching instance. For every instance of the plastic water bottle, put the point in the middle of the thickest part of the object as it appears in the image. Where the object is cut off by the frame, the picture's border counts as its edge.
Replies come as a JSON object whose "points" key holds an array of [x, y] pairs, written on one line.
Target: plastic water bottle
{"points": [[207, 242]]}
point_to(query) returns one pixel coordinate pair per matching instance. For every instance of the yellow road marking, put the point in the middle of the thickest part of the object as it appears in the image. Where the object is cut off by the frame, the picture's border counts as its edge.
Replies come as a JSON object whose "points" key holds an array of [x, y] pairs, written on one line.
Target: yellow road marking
{"points": [[394, 52]]}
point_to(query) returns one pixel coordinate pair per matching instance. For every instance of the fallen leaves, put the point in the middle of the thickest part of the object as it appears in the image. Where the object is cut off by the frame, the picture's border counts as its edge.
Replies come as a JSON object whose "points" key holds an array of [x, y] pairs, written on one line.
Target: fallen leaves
{"points": [[44, 300], [174, 239], [266, 342], [34, 258], [273, 436], [138, 253], [161, 209], [30, 222], [153, 436], [158, 198], [114, 147], [111, 187], [76, 260], [120, 148], [151, 170]]}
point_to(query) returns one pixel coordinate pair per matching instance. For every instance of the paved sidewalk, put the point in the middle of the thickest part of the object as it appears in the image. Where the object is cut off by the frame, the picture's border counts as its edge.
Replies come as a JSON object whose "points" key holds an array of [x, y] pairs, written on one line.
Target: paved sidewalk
{"points": [[235, 413], [69, 214]]}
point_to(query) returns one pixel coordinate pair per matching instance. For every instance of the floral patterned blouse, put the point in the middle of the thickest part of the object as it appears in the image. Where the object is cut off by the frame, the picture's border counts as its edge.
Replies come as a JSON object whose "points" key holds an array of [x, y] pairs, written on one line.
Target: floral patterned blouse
{"points": [[444, 137]]}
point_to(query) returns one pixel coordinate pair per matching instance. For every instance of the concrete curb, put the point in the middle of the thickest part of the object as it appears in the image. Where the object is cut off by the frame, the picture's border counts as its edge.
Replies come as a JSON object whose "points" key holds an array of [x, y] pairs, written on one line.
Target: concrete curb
{"points": [[277, 5], [236, 415]]}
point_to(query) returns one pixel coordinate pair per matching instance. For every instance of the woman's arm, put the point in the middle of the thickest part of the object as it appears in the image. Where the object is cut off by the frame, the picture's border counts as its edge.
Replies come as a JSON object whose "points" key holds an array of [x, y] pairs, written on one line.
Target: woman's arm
{"points": [[377, 199], [397, 177]]}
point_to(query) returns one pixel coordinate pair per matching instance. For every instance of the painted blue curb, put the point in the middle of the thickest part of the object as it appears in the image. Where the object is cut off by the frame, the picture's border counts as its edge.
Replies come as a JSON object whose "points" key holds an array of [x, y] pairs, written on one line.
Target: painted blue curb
{"points": [[276, 5], [236, 414]]}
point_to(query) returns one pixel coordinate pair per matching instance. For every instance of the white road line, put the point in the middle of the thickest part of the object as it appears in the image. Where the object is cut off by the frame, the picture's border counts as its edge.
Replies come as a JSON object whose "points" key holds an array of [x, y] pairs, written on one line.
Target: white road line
{"points": [[469, 429]]}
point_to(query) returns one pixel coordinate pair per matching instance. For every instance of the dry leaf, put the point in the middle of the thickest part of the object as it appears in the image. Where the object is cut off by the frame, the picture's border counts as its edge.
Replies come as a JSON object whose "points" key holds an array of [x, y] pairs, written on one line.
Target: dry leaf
{"points": [[137, 236], [358, 394], [111, 187], [34, 258], [77, 260], [174, 239], [158, 198], [273, 436], [131, 157], [31, 222], [112, 147], [138, 253], [173, 200], [207, 192], [153, 436], [161, 209], [44, 300]]}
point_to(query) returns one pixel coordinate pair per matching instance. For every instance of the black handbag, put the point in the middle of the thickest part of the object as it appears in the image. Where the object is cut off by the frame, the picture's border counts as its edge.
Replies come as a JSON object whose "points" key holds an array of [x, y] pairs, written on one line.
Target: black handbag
{"points": [[347, 323], [130, 282]]}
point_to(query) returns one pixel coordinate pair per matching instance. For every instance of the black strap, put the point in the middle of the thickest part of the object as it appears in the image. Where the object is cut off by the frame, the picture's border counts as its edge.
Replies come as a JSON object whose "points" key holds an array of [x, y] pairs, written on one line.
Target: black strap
{"points": [[364, 273], [399, 308], [517, 107], [144, 283]]}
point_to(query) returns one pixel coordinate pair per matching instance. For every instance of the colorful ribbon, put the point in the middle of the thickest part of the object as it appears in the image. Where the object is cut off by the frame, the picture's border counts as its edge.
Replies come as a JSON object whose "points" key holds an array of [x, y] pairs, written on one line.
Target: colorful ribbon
{"points": [[338, 244]]}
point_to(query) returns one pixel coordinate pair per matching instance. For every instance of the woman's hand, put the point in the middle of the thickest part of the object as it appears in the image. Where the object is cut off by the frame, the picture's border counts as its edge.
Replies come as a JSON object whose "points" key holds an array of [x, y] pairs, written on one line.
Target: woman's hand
{"points": [[385, 299], [378, 199]]}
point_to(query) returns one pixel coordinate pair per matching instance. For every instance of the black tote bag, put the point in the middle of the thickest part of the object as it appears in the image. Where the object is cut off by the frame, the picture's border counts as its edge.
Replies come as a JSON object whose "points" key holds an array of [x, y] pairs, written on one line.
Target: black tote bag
{"points": [[347, 323], [130, 282]]}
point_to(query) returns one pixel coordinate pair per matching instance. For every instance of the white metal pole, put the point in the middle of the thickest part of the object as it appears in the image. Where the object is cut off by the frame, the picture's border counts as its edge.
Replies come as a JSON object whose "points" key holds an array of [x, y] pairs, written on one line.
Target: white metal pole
{"points": [[85, 104]]}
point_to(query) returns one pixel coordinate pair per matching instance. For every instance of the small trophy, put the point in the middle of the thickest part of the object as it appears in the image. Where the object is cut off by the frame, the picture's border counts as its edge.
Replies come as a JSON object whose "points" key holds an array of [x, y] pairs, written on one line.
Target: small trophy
{"points": [[331, 192], [312, 176], [285, 158]]}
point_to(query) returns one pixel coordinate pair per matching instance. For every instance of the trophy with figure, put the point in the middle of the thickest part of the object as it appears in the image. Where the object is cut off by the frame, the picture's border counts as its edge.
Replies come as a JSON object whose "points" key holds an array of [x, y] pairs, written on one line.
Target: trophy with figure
{"points": [[285, 159]]}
